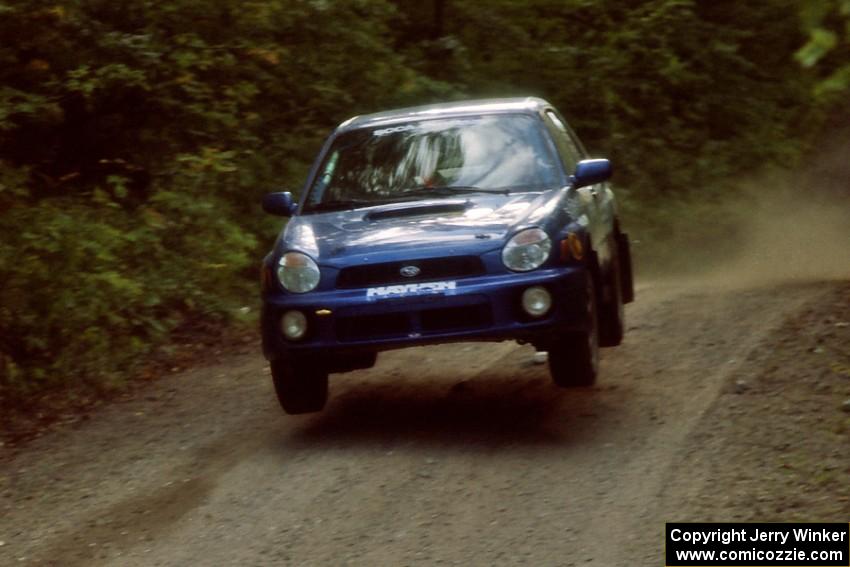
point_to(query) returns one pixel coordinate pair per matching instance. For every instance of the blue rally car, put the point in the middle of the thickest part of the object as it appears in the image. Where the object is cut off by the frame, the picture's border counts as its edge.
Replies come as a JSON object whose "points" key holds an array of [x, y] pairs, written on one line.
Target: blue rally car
{"points": [[469, 221]]}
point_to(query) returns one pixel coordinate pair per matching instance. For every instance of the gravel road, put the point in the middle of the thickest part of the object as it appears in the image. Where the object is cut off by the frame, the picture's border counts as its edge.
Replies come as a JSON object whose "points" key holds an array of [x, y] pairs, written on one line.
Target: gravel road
{"points": [[463, 454]]}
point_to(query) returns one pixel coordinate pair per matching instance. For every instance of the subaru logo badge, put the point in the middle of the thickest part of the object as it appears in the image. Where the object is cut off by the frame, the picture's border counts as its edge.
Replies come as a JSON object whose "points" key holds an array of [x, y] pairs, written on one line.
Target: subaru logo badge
{"points": [[410, 271]]}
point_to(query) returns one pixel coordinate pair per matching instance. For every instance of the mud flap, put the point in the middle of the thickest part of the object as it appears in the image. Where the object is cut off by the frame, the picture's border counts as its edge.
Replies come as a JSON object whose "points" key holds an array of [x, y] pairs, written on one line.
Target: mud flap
{"points": [[626, 275]]}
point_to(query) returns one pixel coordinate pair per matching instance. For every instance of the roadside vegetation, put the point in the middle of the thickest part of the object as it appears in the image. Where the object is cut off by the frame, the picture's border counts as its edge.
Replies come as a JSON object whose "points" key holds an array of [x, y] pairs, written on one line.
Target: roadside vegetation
{"points": [[136, 138]]}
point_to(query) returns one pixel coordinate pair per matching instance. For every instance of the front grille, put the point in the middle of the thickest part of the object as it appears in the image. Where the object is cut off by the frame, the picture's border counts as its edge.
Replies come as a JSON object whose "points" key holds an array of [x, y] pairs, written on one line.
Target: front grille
{"points": [[406, 324], [429, 269]]}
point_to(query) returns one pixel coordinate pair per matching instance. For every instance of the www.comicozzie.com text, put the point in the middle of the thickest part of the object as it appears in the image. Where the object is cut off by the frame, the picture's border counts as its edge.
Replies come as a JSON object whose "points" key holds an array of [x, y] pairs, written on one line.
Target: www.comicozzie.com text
{"points": [[727, 536]]}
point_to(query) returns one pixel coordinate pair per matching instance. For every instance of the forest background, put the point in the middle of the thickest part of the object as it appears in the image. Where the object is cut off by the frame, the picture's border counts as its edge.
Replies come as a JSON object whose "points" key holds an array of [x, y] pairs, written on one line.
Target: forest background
{"points": [[137, 138]]}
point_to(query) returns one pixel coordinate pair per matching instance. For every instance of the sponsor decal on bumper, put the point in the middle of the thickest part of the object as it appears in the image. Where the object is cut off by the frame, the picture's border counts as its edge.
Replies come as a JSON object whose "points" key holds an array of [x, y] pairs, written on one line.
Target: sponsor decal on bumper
{"points": [[410, 290]]}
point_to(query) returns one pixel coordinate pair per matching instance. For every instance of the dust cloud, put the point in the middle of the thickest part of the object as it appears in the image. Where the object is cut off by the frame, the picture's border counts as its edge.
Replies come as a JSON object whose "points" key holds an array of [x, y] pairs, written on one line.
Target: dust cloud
{"points": [[766, 233], [789, 236]]}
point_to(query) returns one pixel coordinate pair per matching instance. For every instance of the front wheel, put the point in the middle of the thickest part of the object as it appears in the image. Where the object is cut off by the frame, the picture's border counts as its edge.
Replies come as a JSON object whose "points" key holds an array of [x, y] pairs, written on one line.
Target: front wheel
{"points": [[301, 387], [574, 356]]}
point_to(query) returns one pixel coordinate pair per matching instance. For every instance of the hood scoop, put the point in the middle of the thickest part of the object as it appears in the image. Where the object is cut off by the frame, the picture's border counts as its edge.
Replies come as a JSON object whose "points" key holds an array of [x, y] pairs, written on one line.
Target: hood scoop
{"points": [[418, 210]]}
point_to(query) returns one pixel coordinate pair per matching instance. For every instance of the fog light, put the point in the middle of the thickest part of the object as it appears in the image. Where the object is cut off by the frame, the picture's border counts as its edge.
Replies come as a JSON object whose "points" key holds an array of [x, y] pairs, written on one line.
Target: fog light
{"points": [[294, 325], [536, 301]]}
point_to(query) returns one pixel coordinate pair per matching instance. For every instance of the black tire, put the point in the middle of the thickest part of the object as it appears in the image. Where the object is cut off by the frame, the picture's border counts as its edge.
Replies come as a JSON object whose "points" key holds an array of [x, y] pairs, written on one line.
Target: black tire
{"points": [[574, 356], [612, 312], [300, 387]]}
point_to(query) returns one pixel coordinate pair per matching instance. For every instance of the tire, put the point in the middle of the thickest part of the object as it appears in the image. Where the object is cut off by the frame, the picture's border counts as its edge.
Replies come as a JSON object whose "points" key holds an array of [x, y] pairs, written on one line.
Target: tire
{"points": [[611, 312], [300, 387], [574, 356]]}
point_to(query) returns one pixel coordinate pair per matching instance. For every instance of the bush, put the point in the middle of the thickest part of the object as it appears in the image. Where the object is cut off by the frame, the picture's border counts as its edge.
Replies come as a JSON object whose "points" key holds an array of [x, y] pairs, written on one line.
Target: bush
{"points": [[87, 286]]}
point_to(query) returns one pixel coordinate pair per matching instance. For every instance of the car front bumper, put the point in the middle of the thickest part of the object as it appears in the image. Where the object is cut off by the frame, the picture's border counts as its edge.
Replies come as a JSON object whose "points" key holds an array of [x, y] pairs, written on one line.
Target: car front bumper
{"points": [[485, 308]]}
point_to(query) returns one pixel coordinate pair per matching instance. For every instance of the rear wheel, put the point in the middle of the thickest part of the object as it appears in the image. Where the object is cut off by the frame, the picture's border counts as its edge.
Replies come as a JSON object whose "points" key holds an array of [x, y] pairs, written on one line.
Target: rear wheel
{"points": [[611, 312], [574, 356], [301, 387]]}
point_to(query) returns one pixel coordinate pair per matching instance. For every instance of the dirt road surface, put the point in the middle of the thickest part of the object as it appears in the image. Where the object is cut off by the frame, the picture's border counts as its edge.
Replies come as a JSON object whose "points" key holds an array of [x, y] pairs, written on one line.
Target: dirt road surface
{"points": [[722, 404]]}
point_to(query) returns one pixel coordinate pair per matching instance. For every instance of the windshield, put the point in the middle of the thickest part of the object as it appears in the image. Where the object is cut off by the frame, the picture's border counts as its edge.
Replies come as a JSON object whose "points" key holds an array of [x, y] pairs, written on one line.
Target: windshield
{"points": [[434, 158]]}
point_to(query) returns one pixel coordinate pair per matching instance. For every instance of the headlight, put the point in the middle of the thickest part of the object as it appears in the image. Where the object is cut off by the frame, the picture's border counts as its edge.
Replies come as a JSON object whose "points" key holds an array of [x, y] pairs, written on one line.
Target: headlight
{"points": [[297, 272], [527, 250]]}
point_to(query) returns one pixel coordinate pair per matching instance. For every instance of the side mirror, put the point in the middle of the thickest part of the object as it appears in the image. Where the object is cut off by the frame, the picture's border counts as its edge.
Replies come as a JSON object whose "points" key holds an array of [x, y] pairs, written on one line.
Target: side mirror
{"points": [[592, 171], [281, 204]]}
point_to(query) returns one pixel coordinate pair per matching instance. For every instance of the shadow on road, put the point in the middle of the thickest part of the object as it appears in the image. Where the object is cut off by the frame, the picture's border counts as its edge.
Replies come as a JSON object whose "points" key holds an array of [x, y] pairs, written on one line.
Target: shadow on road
{"points": [[488, 412]]}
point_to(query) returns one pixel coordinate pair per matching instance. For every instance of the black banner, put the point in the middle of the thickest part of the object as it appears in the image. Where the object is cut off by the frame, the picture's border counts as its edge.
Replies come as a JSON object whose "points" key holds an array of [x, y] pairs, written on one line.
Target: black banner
{"points": [[757, 545]]}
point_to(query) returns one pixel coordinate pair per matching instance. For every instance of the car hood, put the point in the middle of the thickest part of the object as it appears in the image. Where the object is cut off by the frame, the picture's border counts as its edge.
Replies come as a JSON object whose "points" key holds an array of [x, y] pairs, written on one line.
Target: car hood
{"points": [[473, 223]]}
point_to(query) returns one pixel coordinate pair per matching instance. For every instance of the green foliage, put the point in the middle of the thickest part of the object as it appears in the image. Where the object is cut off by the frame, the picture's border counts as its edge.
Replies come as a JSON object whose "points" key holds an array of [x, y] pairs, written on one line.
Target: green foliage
{"points": [[86, 287], [828, 48]]}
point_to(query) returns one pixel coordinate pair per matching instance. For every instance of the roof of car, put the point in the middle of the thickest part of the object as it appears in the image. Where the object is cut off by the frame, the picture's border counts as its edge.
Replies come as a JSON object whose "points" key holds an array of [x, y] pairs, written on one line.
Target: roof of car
{"points": [[457, 108]]}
